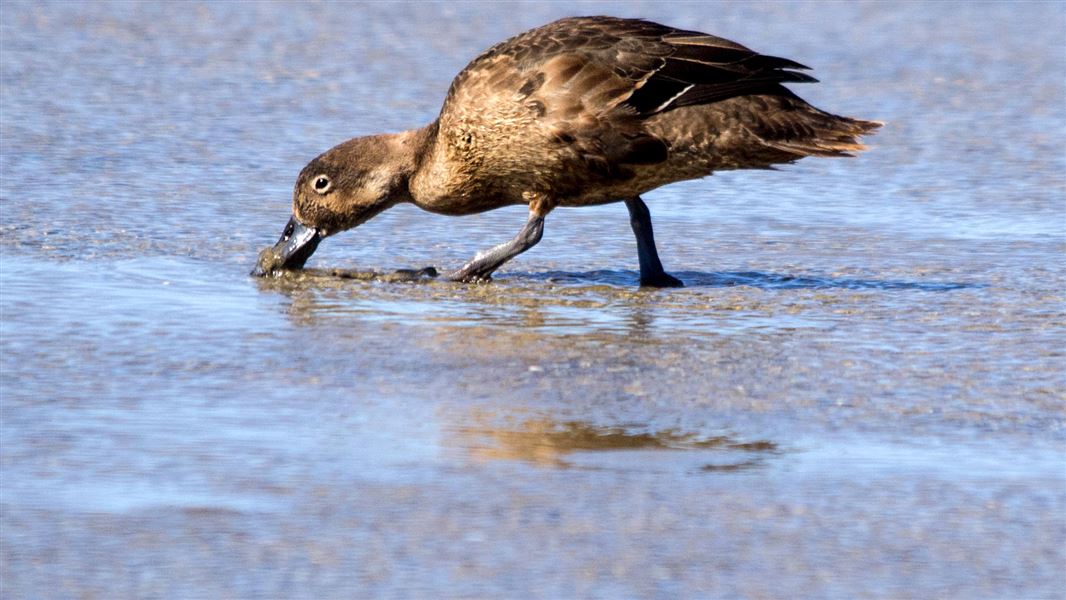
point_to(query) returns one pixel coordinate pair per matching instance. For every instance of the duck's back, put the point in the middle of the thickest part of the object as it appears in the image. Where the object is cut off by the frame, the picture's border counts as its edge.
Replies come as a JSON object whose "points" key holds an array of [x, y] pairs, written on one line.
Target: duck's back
{"points": [[594, 109]]}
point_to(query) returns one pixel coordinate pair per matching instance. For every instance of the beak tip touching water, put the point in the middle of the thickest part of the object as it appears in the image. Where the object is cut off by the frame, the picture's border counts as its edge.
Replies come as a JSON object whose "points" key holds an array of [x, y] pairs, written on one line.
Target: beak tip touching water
{"points": [[297, 243]]}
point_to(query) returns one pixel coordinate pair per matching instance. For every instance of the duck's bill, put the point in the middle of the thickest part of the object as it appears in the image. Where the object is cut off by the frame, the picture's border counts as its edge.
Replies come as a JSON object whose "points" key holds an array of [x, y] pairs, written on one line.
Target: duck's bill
{"points": [[297, 243]]}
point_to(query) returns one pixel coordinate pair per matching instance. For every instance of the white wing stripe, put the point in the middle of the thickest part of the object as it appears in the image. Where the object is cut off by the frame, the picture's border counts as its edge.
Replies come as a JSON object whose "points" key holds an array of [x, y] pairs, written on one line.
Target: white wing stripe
{"points": [[672, 98]]}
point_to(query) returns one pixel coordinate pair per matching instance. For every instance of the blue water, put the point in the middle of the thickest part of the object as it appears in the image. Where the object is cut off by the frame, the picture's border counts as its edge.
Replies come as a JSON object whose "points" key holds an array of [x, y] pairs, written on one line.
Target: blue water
{"points": [[860, 392]]}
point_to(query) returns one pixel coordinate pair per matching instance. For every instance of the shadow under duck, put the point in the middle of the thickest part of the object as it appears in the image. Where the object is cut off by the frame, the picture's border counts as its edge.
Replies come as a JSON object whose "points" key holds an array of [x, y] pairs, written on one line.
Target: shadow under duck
{"points": [[580, 112]]}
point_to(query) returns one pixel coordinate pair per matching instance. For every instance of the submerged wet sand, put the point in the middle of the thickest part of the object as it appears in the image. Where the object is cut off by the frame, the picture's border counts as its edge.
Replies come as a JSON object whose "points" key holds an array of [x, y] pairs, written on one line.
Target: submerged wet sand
{"points": [[860, 392]]}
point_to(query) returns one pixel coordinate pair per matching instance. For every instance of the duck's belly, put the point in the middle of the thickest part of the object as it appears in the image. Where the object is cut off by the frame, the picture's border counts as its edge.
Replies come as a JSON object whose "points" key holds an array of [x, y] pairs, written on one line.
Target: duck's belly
{"points": [[693, 138], [644, 180]]}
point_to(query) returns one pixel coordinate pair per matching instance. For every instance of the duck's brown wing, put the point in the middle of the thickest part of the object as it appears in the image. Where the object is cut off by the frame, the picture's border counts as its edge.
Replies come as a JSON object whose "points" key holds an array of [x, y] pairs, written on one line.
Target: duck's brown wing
{"points": [[589, 82], [651, 68]]}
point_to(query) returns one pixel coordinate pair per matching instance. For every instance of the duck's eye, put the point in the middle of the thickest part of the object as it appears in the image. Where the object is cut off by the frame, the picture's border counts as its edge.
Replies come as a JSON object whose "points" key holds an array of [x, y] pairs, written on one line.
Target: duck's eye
{"points": [[322, 184]]}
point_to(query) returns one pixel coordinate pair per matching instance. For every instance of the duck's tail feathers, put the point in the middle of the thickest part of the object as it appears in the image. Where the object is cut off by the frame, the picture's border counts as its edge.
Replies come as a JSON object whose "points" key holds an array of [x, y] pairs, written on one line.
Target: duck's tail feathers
{"points": [[824, 134]]}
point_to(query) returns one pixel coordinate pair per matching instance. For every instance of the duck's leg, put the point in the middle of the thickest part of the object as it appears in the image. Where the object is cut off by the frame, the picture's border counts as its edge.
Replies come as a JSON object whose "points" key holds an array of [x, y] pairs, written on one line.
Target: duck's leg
{"points": [[651, 268], [481, 267]]}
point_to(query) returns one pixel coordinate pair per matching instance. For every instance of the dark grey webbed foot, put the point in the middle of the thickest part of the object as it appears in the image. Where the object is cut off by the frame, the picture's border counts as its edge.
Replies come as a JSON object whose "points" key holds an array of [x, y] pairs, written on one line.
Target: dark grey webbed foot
{"points": [[469, 273], [425, 272], [661, 280]]}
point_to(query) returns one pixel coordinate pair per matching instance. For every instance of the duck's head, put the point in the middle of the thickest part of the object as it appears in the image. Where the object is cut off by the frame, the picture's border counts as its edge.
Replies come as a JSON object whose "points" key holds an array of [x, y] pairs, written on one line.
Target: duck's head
{"points": [[338, 190]]}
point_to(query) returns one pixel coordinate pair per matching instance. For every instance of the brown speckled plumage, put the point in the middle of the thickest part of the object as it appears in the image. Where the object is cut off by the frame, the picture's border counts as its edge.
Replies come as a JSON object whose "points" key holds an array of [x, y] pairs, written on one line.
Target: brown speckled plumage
{"points": [[581, 111]]}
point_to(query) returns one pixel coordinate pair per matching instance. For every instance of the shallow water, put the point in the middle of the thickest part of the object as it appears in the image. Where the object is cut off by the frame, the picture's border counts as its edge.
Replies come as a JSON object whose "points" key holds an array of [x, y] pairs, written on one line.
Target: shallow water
{"points": [[860, 392]]}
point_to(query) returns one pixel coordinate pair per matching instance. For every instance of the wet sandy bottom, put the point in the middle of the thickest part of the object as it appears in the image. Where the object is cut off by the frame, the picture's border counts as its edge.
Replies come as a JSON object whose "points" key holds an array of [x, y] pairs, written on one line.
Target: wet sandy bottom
{"points": [[319, 435], [859, 394]]}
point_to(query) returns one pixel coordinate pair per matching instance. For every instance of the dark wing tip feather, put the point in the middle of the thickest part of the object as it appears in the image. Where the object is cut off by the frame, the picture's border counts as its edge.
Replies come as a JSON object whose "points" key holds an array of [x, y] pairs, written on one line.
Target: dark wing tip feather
{"points": [[763, 61], [701, 69], [794, 77]]}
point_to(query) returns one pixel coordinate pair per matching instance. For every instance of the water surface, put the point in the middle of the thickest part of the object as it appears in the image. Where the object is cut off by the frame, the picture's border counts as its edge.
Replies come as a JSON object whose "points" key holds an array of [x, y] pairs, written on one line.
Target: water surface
{"points": [[860, 392]]}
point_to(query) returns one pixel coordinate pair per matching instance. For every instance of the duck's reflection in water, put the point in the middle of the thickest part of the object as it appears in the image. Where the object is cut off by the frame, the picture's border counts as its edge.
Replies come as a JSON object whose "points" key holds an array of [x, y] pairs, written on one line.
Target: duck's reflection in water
{"points": [[546, 442], [418, 297]]}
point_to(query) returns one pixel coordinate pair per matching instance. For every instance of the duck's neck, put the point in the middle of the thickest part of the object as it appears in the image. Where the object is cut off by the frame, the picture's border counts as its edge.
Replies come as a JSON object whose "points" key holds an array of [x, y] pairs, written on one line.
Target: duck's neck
{"points": [[409, 149]]}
